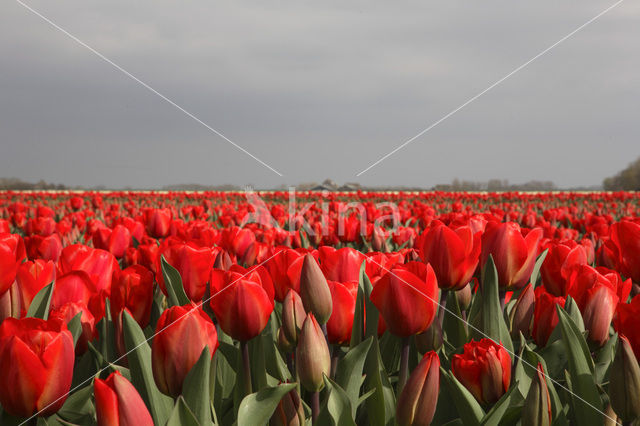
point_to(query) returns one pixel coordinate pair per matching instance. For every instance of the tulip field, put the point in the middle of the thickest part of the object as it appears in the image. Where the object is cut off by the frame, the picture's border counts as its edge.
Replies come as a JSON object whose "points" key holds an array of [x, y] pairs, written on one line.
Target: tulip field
{"points": [[281, 308]]}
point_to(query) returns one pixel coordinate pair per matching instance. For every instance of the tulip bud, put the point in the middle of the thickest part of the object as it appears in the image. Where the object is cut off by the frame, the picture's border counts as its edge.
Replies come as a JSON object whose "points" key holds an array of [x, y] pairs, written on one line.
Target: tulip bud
{"points": [[522, 313], [285, 345], [418, 400], [293, 315], [10, 305], [314, 290], [430, 340], [624, 385], [312, 355], [223, 261], [537, 406], [464, 297], [289, 412], [119, 403]]}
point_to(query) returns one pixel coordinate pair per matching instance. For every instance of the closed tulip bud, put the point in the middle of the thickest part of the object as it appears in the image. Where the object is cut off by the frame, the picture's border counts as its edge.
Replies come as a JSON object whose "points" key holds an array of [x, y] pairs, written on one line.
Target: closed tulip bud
{"points": [[464, 297], [522, 313], [624, 385], [293, 315], [223, 261], [537, 406], [289, 411], [312, 355], [118, 403], [418, 400], [314, 290], [285, 345], [10, 303], [484, 368]]}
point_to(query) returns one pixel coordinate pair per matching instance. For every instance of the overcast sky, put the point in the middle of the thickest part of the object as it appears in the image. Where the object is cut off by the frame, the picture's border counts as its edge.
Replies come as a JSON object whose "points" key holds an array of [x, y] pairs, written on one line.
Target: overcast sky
{"points": [[318, 89]]}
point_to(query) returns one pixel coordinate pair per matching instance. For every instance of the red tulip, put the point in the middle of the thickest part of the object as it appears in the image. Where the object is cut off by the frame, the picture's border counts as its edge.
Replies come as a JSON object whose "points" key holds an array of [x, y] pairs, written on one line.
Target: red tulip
{"points": [[76, 286], [626, 236], [626, 322], [340, 265], [545, 316], [513, 254], [192, 262], [98, 264], [32, 276], [484, 368], [182, 333], [158, 222], [407, 302], [133, 290], [340, 323], [115, 240], [36, 366], [279, 268], [46, 248], [12, 253], [559, 264], [118, 403], [597, 298], [66, 312], [453, 254], [242, 300]]}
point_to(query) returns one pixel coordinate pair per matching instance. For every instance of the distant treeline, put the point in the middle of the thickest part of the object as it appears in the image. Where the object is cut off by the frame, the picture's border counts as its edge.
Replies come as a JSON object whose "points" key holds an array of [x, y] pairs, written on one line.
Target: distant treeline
{"points": [[496, 185], [626, 180], [20, 185]]}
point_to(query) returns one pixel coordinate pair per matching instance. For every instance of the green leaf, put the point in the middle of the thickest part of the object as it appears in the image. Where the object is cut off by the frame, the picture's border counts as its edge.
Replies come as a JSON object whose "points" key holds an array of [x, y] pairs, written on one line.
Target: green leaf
{"points": [[497, 412], [381, 405], [535, 274], [605, 358], [173, 284], [586, 399], [257, 408], [493, 324], [78, 408], [75, 327], [453, 325], [182, 415], [349, 373], [139, 358], [358, 329], [468, 407], [337, 410], [39, 307], [195, 388]]}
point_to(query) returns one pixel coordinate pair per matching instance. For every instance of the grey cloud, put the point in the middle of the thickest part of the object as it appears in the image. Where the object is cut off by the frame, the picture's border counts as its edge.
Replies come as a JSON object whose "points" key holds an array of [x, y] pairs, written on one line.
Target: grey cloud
{"points": [[317, 89]]}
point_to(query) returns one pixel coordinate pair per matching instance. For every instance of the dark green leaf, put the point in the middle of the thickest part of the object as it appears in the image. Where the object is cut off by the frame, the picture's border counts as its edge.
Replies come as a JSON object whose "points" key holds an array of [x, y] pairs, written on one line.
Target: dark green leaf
{"points": [[586, 399], [349, 373], [257, 408], [139, 357], [337, 410], [39, 307], [182, 415], [195, 388], [173, 284], [469, 409]]}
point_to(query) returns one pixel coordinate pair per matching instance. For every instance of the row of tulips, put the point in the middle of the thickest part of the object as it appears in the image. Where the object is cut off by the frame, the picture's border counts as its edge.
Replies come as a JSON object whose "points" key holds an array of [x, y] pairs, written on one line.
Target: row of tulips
{"points": [[139, 314]]}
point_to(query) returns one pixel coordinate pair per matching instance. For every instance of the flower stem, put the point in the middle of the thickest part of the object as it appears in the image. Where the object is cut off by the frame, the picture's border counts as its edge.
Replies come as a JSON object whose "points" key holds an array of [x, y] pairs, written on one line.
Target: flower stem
{"points": [[315, 406], [246, 364], [441, 310], [404, 365]]}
